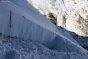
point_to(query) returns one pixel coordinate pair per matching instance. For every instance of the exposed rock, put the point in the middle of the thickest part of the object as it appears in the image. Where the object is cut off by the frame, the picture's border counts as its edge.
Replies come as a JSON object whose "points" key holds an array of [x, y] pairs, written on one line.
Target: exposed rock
{"points": [[70, 14]]}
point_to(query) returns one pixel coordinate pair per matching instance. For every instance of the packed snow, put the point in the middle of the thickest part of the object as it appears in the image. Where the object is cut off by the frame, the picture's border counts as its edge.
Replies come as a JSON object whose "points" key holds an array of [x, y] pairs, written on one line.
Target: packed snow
{"points": [[33, 36]]}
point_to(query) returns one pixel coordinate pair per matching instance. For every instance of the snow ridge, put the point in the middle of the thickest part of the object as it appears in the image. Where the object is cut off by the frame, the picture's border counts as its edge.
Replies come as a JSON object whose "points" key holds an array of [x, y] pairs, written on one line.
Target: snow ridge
{"points": [[33, 36]]}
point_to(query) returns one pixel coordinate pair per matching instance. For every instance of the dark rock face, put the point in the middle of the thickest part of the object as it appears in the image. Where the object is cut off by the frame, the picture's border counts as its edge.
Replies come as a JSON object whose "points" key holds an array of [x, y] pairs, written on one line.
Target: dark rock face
{"points": [[52, 18]]}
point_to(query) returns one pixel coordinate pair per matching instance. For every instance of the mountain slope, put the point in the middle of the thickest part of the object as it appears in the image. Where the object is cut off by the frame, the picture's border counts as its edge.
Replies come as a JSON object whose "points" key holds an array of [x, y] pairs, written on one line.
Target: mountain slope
{"points": [[32, 36], [70, 14]]}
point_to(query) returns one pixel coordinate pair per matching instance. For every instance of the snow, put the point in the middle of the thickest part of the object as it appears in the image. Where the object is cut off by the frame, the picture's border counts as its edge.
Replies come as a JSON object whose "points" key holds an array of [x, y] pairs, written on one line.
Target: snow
{"points": [[33, 36], [71, 14]]}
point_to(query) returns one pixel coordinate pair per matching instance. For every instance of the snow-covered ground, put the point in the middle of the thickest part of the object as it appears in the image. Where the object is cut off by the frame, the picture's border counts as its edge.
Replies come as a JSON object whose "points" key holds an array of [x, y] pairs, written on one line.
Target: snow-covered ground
{"points": [[70, 14], [33, 36]]}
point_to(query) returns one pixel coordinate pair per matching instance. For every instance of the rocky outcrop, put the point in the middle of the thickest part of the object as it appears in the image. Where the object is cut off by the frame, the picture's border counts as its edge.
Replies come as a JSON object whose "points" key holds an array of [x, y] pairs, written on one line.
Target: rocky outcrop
{"points": [[70, 14]]}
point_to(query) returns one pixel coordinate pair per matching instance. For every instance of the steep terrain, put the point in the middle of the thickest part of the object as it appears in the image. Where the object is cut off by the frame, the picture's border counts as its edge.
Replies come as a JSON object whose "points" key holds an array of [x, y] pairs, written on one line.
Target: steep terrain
{"points": [[27, 34], [70, 14]]}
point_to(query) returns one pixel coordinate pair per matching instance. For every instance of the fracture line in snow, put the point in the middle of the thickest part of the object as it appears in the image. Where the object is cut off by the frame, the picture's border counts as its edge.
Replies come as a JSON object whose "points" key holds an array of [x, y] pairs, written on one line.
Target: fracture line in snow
{"points": [[20, 11]]}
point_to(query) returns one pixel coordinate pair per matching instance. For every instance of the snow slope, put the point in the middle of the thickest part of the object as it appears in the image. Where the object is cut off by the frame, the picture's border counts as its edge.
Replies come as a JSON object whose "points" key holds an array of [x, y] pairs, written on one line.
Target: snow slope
{"points": [[70, 14], [33, 36]]}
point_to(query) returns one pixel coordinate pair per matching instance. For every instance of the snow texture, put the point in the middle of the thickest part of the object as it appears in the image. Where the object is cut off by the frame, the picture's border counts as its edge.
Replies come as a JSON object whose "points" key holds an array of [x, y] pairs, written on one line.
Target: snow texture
{"points": [[33, 36], [70, 14]]}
